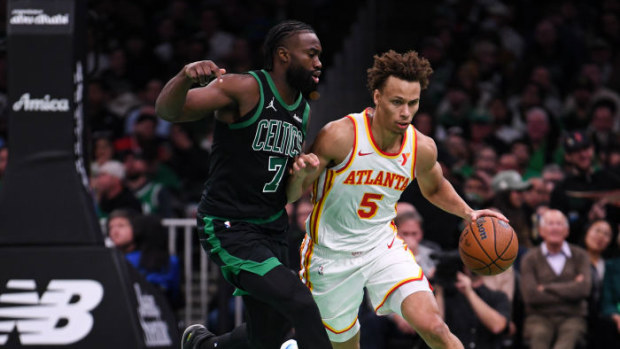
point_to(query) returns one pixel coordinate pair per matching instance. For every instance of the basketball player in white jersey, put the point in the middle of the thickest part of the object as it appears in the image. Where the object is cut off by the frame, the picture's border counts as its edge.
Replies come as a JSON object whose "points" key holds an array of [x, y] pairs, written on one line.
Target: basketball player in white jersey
{"points": [[359, 166]]}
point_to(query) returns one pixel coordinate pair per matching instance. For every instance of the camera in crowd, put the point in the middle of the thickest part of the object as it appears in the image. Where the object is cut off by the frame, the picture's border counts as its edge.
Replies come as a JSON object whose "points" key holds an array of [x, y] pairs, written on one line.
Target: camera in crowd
{"points": [[448, 263]]}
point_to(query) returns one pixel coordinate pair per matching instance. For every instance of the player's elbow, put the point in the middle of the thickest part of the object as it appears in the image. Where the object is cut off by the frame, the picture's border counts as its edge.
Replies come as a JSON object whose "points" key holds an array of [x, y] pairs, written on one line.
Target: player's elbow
{"points": [[162, 112]]}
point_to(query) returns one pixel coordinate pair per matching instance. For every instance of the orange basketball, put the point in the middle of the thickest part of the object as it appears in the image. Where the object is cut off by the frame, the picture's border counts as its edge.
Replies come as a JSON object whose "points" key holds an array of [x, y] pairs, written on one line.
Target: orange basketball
{"points": [[488, 246]]}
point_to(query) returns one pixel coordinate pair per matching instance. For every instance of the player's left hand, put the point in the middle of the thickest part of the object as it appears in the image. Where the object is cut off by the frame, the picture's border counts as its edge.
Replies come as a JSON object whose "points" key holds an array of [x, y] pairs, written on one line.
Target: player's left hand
{"points": [[474, 215], [304, 164]]}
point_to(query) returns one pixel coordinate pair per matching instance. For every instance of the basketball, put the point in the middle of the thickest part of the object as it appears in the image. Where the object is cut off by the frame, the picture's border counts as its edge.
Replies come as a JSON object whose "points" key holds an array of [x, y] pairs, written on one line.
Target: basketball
{"points": [[488, 246]]}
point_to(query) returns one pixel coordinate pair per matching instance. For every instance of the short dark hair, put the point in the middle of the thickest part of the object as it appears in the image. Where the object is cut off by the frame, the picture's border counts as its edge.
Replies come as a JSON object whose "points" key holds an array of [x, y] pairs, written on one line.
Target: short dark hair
{"points": [[605, 103], [408, 66], [276, 36]]}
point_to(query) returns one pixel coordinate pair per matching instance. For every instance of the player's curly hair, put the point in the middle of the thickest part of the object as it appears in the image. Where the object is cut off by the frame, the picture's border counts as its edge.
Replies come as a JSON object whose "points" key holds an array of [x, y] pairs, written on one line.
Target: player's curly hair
{"points": [[276, 36], [408, 66]]}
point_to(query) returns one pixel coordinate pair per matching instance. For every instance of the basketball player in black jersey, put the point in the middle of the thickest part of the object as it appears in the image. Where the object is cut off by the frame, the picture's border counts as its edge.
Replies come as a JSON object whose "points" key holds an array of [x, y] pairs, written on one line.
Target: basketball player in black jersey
{"points": [[261, 121]]}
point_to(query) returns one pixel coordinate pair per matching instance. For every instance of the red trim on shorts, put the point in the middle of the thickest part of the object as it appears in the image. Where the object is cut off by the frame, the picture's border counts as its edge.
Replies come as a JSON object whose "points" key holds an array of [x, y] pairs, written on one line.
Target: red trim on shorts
{"points": [[406, 281], [339, 332]]}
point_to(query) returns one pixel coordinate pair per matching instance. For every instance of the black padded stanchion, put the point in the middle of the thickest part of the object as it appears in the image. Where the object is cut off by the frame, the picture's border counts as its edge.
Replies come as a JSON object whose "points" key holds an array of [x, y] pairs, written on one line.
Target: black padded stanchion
{"points": [[60, 287]]}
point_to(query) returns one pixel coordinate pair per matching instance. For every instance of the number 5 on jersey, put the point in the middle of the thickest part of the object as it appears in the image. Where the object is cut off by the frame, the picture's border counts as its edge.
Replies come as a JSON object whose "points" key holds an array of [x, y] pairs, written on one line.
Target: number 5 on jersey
{"points": [[368, 206]]}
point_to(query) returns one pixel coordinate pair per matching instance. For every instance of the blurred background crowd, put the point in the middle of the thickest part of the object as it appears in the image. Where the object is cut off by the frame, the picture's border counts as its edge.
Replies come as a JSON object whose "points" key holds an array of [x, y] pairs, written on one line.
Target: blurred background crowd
{"points": [[524, 106]]}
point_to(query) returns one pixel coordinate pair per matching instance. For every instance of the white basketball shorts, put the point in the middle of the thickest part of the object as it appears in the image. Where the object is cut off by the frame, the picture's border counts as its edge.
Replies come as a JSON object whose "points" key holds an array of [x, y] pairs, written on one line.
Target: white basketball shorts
{"points": [[337, 280]]}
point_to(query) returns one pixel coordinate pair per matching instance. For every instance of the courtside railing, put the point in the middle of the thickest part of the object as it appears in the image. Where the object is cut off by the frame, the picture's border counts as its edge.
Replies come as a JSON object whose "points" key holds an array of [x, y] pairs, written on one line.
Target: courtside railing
{"points": [[196, 273]]}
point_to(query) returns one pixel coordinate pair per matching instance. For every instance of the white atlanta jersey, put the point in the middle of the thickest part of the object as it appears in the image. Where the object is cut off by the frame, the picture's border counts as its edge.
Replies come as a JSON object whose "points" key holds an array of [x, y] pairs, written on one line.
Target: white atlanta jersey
{"points": [[355, 201]]}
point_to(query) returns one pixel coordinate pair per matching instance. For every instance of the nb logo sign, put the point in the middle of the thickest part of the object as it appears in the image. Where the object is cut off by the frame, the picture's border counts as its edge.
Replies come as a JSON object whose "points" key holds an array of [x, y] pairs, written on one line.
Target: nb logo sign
{"points": [[60, 316]]}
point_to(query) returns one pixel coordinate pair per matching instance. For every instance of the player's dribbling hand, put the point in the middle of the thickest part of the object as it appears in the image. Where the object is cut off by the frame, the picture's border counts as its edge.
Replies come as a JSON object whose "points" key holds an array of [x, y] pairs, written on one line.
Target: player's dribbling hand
{"points": [[474, 215], [202, 72], [305, 164]]}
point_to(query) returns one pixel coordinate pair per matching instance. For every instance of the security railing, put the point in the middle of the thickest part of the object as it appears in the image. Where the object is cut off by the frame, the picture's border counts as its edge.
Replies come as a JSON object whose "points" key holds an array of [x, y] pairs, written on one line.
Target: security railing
{"points": [[196, 293]]}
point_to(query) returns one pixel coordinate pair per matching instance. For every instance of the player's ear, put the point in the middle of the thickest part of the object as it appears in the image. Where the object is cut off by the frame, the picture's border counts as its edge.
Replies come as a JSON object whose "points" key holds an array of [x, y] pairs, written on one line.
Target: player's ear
{"points": [[375, 96], [283, 54]]}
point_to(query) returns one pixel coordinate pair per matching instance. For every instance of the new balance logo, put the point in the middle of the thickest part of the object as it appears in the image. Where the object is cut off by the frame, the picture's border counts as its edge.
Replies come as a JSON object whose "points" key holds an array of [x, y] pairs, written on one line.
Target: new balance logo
{"points": [[62, 315], [297, 118], [270, 105]]}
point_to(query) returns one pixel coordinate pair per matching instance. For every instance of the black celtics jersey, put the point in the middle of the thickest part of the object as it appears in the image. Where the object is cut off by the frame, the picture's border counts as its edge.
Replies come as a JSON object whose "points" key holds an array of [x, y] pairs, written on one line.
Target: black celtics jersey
{"points": [[251, 157]]}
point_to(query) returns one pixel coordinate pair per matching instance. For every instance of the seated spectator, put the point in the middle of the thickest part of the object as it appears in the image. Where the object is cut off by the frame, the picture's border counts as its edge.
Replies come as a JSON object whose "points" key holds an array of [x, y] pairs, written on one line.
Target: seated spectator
{"points": [[477, 315], [144, 241], [156, 199], [509, 188], [110, 190], [542, 140], [551, 175], [597, 239], [583, 177], [103, 151], [610, 301], [409, 228], [602, 129], [403, 207], [555, 285], [477, 191], [533, 202]]}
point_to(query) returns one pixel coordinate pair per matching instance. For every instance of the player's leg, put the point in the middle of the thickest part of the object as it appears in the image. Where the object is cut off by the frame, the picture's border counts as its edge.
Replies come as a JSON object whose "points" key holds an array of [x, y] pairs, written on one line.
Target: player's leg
{"points": [[267, 328], [421, 311], [397, 284], [337, 285], [281, 289]]}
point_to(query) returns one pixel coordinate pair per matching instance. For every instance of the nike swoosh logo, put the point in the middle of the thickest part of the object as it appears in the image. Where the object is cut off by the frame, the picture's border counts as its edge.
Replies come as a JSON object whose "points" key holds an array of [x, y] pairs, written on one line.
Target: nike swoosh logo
{"points": [[392, 242], [297, 118], [363, 154]]}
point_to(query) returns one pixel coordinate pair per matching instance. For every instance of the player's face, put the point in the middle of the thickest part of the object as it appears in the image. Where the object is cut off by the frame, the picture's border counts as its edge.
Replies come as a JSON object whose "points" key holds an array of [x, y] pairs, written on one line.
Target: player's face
{"points": [[305, 66], [397, 102]]}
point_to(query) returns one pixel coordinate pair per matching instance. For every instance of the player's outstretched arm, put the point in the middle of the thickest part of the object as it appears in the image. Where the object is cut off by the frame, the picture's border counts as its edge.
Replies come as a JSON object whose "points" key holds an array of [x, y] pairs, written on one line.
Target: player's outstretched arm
{"points": [[433, 185], [438, 190]]}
